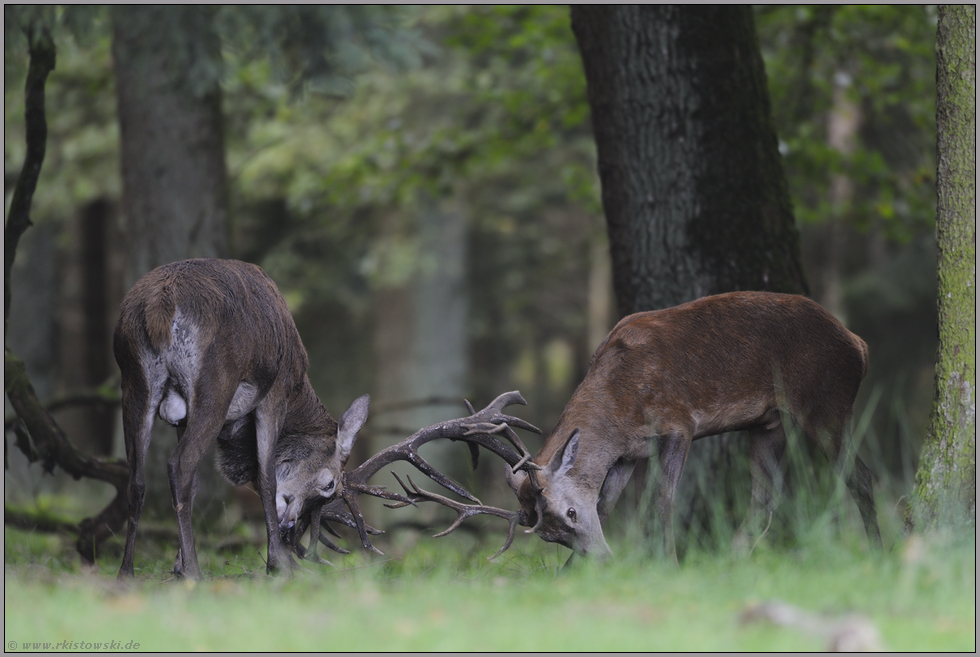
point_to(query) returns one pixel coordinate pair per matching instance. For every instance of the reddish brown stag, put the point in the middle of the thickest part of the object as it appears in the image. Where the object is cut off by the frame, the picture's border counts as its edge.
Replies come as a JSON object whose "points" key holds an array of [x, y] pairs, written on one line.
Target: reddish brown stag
{"points": [[731, 362], [209, 346]]}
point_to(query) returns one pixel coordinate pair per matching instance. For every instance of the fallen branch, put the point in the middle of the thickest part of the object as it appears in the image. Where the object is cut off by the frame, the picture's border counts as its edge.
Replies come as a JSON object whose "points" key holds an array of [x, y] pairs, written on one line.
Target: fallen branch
{"points": [[106, 394], [51, 447], [37, 521], [845, 633]]}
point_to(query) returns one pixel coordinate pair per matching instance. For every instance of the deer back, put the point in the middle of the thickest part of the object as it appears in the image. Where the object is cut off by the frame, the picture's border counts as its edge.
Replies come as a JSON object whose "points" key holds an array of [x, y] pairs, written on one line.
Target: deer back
{"points": [[211, 313]]}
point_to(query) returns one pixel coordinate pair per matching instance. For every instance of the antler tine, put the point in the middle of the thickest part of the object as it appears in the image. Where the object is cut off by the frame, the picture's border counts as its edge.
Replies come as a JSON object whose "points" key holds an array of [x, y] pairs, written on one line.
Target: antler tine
{"points": [[525, 463], [317, 522], [335, 512], [518, 423], [536, 487], [350, 499], [425, 468], [330, 530], [326, 542], [504, 400], [463, 511]]}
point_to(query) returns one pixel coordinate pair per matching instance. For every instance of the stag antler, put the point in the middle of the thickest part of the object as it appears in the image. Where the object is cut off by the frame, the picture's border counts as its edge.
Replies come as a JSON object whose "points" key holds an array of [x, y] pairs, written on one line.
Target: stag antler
{"points": [[477, 430], [463, 511]]}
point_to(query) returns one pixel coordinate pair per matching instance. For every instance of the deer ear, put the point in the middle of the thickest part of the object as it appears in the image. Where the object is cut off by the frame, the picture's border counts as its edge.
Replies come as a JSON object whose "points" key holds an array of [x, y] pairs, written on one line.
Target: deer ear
{"points": [[350, 423], [564, 459]]}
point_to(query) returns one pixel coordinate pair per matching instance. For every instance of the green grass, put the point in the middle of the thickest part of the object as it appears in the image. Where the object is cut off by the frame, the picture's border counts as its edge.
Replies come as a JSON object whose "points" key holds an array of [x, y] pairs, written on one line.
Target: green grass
{"points": [[442, 594]]}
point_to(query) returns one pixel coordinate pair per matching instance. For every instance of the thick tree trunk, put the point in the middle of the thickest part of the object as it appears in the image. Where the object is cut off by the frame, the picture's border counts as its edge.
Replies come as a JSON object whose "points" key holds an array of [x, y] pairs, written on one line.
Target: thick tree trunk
{"points": [[693, 189], [946, 482], [173, 159], [173, 166], [87, 311], [692, 183]]}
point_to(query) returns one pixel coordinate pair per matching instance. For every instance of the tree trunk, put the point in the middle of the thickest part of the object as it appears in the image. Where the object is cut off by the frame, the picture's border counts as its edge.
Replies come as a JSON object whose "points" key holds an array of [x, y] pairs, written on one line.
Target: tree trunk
{"points": [[90, 296], [946, 482], [692, 183], [173, 168], [693, 189], [843, 123], [173, 158], [421, 333]]}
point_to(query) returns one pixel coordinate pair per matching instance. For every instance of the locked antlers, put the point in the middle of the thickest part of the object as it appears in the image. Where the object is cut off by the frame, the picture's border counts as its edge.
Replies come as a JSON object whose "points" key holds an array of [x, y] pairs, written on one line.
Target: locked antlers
{"points": [[490, 429]]}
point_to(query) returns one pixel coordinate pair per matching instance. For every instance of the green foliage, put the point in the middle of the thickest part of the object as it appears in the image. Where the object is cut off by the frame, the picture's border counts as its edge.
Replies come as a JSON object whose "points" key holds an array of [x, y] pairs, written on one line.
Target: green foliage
{"points": [[490, 126], [884, 58], [82, 157], [920, 597], [465, 116], [318, 48]]}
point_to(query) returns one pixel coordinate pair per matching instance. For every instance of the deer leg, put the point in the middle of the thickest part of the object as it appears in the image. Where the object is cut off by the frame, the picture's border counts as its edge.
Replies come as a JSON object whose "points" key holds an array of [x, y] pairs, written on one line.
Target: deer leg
{"points": [[673, 449], [856, 474], [616, 479], [859, 482], [139, 410], [268, 422], [199, 436], [766, 449], [179, 560]]}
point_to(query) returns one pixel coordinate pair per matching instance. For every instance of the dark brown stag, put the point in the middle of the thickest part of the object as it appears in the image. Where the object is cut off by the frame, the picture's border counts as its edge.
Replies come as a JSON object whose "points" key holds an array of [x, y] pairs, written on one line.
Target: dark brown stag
{"points": [[209, 345]]}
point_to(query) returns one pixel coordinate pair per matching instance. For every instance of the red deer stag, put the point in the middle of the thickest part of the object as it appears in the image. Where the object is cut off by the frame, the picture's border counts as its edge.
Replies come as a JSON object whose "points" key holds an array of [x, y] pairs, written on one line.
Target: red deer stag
{"points": [[729, 362], [209, 346]]}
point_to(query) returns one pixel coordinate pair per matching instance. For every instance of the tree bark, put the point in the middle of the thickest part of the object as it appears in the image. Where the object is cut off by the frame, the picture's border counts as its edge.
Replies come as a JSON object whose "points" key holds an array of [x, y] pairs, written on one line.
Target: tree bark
{"points": [[87, 311], [173, 157], [49, 444], [946, 481], [167, 60], [692, 184], [693, 189], [36, 127]]}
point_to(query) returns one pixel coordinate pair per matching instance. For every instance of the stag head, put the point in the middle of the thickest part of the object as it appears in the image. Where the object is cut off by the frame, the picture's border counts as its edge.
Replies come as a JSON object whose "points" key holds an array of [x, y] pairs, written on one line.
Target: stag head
{"points": [[556, 507], [310, 470]]}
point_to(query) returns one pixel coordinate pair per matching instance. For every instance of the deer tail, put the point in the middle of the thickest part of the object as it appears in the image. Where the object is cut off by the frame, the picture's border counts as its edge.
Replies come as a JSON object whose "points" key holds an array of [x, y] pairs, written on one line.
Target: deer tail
{"points": [[863, 348], [161, 305]]}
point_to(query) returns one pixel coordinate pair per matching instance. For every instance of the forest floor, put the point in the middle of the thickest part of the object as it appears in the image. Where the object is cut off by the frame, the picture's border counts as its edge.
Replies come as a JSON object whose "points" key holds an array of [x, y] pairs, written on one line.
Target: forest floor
{"points": [[918, 594]]}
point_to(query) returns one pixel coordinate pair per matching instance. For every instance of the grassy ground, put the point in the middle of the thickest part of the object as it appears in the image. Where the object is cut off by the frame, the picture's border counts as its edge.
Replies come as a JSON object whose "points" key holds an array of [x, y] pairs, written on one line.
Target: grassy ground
{"points": [[443, 595]]}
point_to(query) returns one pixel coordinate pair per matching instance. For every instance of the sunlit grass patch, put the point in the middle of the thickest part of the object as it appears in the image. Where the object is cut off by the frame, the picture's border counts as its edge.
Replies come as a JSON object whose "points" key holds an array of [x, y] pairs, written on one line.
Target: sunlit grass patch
{"points": [[442, 595]]}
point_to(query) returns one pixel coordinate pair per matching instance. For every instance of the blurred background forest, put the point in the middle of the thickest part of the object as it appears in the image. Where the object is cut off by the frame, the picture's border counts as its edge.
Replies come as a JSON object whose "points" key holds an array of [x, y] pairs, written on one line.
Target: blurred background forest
{"points": [[421, 184]]}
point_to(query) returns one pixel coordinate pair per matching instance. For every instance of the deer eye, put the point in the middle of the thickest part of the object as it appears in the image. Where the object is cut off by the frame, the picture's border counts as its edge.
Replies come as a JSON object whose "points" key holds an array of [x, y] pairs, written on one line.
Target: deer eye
{"points": [[327, 490], [571, 514]]}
